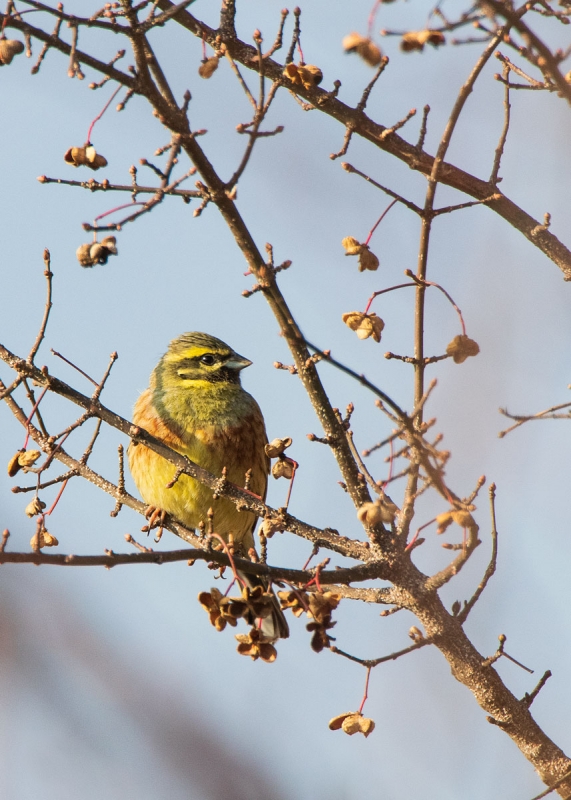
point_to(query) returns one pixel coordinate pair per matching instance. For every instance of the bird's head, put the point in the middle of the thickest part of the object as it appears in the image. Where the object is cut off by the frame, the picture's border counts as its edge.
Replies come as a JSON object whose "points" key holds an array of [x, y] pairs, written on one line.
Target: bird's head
{"points": [[198, 358]]}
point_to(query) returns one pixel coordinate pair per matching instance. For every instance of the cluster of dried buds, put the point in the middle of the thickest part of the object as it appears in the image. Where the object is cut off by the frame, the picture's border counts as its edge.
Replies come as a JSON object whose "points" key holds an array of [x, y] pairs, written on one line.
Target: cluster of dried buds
{"points": [[256, 645], [254, 604], [382, 510], [306, 75], [352, 722], [284, 467], [318, 606], [8, 49], [94, 253], [415, 40], [364, 47], [42, 538], [460, 516], [35, 507], [365, 325], [367, 260], [85, 156]]}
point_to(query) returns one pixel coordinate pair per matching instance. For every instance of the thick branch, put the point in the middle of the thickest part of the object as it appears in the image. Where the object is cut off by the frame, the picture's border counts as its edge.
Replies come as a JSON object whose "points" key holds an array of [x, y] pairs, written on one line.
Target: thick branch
{"points": [[242, 499]]}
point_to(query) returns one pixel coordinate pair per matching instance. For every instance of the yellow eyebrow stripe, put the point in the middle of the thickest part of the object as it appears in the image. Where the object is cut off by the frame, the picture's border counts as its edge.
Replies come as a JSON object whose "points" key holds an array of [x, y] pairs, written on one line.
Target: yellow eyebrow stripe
{"points": [[191, 352]]}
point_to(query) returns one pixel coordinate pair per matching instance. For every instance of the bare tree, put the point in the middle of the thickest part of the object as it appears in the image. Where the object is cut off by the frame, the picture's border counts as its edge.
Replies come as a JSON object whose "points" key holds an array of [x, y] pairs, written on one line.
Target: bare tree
{"points": [[399, 509]]}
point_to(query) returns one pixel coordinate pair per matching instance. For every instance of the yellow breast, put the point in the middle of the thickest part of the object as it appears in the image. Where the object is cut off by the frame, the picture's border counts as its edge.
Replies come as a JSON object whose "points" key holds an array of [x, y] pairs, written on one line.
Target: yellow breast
{"points": [[237, 445]]}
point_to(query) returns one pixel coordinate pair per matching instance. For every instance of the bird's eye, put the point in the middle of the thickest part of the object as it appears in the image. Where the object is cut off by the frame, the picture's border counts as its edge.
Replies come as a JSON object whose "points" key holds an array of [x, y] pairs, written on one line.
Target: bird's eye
{"points": [[208, 360]]}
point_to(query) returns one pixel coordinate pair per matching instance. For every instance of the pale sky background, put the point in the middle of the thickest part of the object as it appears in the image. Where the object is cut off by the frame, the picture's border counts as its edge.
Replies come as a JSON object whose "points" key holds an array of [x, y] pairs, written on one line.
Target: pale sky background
{"points": [[113, 683]]}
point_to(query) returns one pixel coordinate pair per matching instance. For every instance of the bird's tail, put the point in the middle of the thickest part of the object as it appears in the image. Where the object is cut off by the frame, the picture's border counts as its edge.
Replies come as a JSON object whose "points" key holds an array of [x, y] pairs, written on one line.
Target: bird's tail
{"points": [[274, 626]]}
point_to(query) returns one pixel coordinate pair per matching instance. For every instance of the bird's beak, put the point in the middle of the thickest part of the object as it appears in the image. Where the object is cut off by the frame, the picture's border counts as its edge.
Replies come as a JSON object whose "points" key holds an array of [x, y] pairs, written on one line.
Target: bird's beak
{"points": [[238, 362]]}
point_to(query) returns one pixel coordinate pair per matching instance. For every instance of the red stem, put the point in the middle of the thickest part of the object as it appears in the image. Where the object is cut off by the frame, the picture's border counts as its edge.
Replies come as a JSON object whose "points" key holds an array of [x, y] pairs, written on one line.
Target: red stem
{"points": [[295, 465], [378, 222], [371, 20], [32, 412], [444, 292], [118, 208], [56, 501], [384, 291], [366, 694], [98, 117]]}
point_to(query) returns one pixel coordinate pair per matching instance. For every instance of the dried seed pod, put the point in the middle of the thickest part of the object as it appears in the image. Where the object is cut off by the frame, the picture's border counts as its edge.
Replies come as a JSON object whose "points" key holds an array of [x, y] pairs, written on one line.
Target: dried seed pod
{"points": [[94, 253], [352, 722], [464, 519], [352, 246], [367, 260], [83, 255], [461, 517], [85, 156], [364, 47], [364, 325], [382, 510], [8, 49], [256, 645], [283, 469], [208, 67], [462, 347], [298, 601], [14, 465], [370, 513], [291, 72], [415, 40], [35, 507], [276, 447], [27, 458], [272, 525], [310, 75], [110, 244], [44, 539]]}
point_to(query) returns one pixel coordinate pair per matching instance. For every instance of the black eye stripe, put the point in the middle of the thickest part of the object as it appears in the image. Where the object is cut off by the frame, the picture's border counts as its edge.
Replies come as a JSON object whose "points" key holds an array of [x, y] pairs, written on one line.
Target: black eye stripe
{"points": [[194, 363]]}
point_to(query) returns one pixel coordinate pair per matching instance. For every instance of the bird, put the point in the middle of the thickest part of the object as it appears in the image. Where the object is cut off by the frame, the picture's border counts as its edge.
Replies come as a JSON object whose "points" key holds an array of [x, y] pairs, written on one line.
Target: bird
{"points": [[196, 405]]}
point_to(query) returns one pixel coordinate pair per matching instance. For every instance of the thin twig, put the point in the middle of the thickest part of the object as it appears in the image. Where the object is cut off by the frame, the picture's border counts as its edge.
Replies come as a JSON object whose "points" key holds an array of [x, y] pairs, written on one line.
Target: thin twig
{"points": [[491, 568]]}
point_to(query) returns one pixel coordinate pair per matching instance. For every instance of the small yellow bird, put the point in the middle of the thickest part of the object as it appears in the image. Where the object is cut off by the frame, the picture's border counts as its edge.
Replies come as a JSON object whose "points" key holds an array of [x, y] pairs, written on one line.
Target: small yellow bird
{"points": [[196, 405]]}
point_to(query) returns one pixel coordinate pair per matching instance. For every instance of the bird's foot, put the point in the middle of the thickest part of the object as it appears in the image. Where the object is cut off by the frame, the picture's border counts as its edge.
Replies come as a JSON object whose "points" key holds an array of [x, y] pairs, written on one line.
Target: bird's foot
{"points": [[156, 517]]}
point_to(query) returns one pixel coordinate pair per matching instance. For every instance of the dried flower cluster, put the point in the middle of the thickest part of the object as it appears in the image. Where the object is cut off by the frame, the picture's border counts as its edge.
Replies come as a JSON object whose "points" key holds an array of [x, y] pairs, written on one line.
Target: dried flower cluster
{"points": [[321, 604], [94, 253], [382, 510], [208, 67], [352, 722], [284, 467], [306, 75], [367, 260], [365, 325], [462, 347], [8, 49], [415, 40], [85, 156], [22, 460], [364, 47], [461, 517], [42, 538], [254, 604], [256, 645]]}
